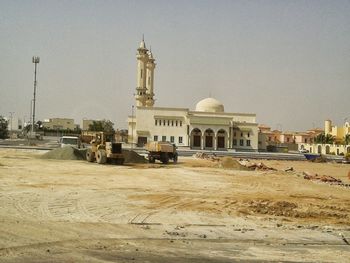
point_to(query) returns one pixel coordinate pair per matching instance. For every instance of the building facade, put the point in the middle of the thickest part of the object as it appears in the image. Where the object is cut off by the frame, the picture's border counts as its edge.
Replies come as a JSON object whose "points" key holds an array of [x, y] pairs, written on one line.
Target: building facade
{"points": [[208, 127], [59, 124]]}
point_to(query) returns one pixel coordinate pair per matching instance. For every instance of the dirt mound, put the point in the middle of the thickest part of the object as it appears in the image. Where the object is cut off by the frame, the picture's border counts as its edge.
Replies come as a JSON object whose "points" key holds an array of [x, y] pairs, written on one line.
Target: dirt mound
{"points": [[65, 153], [230, 163], [133, 157]]}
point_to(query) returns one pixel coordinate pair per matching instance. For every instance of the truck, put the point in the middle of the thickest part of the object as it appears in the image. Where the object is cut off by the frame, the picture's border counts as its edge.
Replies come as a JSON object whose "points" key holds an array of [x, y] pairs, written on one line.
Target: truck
{"points": [[104, 150], [162, 151], [73, 141]]}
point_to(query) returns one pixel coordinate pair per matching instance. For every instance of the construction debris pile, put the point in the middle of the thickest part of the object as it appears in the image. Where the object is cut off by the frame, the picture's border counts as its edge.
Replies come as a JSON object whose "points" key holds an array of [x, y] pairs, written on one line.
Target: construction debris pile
{"points": [[324, 178], [255, 166], [231, 163], [206, 156]]}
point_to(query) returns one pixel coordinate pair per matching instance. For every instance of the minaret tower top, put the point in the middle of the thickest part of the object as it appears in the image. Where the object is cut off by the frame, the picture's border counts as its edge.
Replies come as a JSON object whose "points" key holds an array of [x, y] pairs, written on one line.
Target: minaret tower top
{"points": [[142, 59]]}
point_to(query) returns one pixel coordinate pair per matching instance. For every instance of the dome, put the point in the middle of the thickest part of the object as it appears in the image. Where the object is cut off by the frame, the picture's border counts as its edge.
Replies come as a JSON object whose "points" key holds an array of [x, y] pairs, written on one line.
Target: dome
{"points": [[210, 105]]}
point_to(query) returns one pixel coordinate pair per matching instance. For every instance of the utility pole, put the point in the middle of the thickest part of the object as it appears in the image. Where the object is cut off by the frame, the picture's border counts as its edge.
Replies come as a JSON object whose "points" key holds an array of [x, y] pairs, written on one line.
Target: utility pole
{"points": [[35, 60], [132, 126]]}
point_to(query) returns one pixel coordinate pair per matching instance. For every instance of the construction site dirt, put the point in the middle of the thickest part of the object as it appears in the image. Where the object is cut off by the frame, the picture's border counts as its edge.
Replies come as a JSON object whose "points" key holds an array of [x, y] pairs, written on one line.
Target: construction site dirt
{"points": [[197, 210]]}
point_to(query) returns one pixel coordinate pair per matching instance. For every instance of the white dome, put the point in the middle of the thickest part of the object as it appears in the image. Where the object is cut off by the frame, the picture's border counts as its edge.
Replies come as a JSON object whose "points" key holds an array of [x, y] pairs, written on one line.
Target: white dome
{"points": [[210, 105]]}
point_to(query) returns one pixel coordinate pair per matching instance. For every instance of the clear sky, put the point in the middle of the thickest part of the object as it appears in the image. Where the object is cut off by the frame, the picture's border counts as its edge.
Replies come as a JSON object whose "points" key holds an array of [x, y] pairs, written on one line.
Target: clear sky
{"points": [[286, 61]]}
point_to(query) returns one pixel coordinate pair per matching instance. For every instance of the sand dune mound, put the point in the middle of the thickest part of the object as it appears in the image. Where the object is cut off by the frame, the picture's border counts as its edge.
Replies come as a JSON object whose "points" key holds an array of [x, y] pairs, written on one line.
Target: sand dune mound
{"points": [[133, 157], [65, 153], [71, 153], [230, 163]]}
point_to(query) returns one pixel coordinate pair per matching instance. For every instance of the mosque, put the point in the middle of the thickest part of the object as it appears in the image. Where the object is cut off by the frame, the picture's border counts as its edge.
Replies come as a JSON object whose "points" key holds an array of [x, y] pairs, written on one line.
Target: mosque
{"points": [[208, 127]]}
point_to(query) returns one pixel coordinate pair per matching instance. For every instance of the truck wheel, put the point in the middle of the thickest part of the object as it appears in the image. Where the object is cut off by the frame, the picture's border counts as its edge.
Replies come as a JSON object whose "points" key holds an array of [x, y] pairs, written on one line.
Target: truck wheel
{"points": [[165, 158], [175, 158], [90, 156], [119, 161], [101, 156]]}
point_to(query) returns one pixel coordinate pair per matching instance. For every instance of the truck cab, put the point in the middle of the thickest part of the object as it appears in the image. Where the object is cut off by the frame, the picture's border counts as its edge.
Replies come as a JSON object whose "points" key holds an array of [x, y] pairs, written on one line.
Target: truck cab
{"points": [[73, 141]]}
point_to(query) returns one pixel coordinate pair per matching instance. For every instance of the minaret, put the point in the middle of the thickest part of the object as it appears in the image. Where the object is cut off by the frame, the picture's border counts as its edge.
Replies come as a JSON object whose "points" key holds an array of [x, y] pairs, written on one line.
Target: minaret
{"points": [[142, 58], [150, 79]]}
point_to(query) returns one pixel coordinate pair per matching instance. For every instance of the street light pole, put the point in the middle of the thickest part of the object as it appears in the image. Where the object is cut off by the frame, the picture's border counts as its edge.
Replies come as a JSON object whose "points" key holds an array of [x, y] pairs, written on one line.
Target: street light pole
{"points": [[35, 60], [132, 126]]}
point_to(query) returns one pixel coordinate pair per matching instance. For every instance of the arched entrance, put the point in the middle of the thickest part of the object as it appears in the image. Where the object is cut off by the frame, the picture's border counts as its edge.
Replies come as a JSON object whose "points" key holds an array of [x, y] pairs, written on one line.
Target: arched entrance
{"points": [[196, 138], [319, 149], [209, 139], [327, 149], [220, 140]]}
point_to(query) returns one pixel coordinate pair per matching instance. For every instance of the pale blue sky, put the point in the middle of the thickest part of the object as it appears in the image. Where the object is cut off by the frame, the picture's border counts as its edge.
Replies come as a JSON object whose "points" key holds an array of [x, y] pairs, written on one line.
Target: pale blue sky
{"points": [[286, 61]]}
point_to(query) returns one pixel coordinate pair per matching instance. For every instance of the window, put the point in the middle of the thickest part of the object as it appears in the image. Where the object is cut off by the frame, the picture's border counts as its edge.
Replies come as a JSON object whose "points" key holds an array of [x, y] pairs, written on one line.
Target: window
{"points": [[248, 134], [141, 73], [181, 123], [176, 123], [172, 123], [234, 134], [288, 139], [269, 139], [248, 142], [163, 122], [163, 138], [241, 142], [234, 142], [241, 134], [168, 122], [156, 122], [180, 139], [305, 140], [172, 139], [155, 138]]}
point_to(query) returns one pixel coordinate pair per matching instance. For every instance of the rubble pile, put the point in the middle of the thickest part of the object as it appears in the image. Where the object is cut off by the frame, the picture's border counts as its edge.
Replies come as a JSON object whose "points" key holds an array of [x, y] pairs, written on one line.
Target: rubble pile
{"points": [[324, 178], [206, 156], [255, 166]]}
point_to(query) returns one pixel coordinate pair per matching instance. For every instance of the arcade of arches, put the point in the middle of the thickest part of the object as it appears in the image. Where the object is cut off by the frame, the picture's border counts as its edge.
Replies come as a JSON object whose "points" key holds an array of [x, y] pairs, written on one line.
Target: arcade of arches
{"points": [[208, 139]]}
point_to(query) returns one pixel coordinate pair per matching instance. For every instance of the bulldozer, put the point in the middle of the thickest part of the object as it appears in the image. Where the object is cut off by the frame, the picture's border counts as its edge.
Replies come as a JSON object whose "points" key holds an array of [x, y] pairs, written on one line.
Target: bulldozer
{"points": [[104, 149]]}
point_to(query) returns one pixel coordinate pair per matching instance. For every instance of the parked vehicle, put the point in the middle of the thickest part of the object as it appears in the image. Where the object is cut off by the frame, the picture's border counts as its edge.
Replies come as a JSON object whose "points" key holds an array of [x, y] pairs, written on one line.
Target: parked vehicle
{"points": [[162, 151], [70, 141]]}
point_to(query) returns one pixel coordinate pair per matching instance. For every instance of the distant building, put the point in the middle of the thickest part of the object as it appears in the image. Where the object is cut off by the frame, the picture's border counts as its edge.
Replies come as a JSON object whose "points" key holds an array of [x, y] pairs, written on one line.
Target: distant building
{"points": [[87, 123], [339, 147], [339, 132], [59, 124], [14, 124], [286, 140]]}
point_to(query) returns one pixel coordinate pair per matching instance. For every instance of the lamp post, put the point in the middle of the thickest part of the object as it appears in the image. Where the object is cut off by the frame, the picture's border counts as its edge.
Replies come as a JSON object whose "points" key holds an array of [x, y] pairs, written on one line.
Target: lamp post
{"points": [[35, 60], [132, 126]]}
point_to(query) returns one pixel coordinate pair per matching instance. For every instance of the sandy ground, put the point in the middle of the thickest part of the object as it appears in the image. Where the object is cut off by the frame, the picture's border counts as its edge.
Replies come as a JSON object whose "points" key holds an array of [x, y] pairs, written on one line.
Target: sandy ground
{"points": [[74, 211]]}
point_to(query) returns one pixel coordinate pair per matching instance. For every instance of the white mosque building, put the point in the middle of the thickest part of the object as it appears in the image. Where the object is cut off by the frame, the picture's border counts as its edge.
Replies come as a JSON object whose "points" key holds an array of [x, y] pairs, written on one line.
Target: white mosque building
{"points": [[208, 127]]}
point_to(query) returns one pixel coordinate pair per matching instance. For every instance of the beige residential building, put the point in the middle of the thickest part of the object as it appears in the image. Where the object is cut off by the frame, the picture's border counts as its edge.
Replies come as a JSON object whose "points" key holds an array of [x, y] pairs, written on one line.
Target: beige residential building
{"points": [[59, 124], [208, 126], [339, 132]]}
